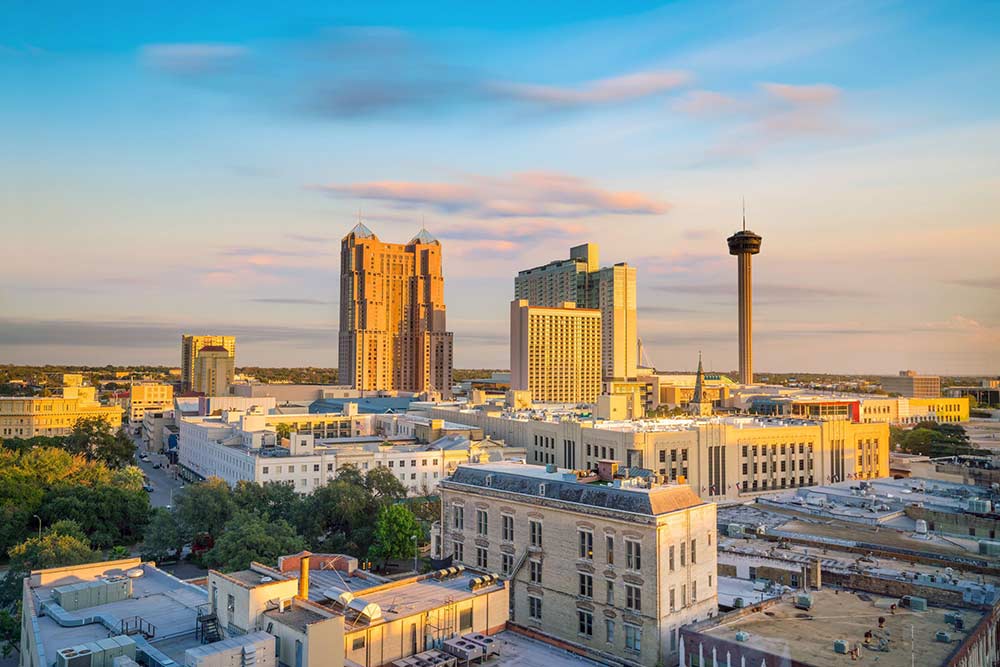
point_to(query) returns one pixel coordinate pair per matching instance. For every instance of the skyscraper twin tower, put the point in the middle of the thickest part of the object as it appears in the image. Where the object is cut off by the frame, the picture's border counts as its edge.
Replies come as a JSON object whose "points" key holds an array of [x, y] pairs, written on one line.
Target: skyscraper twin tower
{"points": [[393, 333]]}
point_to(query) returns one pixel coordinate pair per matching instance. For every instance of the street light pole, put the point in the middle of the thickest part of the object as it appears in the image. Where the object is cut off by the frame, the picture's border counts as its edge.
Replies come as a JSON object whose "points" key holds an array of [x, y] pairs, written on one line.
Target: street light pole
{"points": [[414, 554], [39, 525]]}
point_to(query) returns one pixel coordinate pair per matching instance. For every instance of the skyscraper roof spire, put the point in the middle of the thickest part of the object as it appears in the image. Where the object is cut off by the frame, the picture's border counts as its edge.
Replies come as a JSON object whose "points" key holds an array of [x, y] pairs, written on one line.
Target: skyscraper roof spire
{"points": [[744, 213]]}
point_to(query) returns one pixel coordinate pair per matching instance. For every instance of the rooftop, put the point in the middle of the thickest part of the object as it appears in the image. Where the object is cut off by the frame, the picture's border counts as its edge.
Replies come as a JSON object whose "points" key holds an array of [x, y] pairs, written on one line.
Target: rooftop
{"points": [[162, 600], [564, 485], [782, 629]]}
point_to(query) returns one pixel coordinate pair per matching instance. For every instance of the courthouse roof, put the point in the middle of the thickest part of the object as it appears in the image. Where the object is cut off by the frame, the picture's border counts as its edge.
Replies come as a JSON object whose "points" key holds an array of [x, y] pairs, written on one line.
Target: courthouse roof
{"points": [[563, 485]]}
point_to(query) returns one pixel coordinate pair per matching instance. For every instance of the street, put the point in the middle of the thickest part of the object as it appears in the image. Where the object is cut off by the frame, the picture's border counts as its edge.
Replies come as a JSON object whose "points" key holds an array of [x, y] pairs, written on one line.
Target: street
{"points": [[161, 479]]}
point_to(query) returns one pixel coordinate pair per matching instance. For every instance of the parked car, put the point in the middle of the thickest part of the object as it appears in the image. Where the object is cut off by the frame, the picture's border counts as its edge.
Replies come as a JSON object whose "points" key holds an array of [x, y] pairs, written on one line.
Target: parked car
{"points": [[148, 488], [157, 465]]}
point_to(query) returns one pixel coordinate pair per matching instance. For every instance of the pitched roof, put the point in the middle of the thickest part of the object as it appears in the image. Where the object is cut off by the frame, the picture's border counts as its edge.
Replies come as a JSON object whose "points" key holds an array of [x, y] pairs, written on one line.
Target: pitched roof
{"points": [[423, 236], [361, 231]]}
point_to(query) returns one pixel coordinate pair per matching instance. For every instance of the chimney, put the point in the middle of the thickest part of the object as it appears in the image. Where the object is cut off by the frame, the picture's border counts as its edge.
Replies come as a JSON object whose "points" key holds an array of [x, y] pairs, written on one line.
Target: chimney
{"points": [[304, 578], [817, 575]]}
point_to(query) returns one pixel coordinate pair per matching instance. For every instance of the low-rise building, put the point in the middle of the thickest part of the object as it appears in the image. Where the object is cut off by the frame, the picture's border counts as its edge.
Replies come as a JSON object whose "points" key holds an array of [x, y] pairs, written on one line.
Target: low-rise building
{"points": [[607, 566], [27, 417], [722, 458], [312, 610], [145, 396], [245, 446], [831, 628], [912, 385]]}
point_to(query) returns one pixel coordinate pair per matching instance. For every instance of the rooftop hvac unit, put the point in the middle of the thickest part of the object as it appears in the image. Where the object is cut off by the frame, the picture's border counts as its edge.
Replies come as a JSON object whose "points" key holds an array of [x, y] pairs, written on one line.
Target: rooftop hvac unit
{"points": [[805, 601], [742, 636], [73, 657], [840, 646], [989, 548], [367, 610], [942, 637], [345, 598], [914, 603], [734, 530]]}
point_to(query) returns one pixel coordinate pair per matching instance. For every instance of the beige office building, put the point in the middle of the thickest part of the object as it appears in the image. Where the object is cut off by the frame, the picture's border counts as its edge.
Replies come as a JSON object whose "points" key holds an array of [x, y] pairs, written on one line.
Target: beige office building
{"points": [[612, 569], [148, 396], [22, 417], [392, 314], [912, 385], [722, 458], [214, 368], [192, 345], [555, 353], [610, 290]]}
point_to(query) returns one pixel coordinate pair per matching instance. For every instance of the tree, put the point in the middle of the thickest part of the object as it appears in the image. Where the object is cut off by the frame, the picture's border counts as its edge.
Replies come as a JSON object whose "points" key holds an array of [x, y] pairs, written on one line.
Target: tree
{"points": [[248, 537], [109, 515], [283, 431], [93, 437], [396, 534], [383, 485], [164, 537], [205, 507], [337, 517], [59, 546], [272, 499]]}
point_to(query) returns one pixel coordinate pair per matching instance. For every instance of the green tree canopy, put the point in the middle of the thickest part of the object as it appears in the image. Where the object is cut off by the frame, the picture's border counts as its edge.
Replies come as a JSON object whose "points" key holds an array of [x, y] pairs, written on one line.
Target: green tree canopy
{"points": [[94, 438], [57, 547], [396, 534], [249, 536], [272, 499], [164, 537], [205, 507]]}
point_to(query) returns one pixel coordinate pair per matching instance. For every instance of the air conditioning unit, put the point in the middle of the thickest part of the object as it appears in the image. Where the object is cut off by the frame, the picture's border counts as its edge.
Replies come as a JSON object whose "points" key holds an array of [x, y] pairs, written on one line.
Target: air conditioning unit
{"points": [[77, 656]]}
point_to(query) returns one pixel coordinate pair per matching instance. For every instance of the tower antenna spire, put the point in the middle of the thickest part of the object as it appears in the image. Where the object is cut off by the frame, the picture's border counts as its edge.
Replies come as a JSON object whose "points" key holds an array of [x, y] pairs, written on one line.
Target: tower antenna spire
{"points": [[744, 213]]}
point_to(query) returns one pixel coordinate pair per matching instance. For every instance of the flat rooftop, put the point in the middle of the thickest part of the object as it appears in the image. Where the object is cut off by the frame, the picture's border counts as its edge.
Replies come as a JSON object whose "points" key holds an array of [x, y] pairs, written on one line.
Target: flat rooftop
{"points": [[166, 602], [808, 635], [564, 485]]}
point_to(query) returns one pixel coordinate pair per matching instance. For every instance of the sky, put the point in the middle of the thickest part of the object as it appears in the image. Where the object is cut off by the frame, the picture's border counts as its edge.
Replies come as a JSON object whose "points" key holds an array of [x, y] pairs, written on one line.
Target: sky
{"points": [[192, 167]]}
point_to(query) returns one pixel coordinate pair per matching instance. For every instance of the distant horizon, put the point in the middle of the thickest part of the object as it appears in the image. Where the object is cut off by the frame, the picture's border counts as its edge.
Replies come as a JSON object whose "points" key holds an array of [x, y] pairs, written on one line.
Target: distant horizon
{"points": [[194, 167]]}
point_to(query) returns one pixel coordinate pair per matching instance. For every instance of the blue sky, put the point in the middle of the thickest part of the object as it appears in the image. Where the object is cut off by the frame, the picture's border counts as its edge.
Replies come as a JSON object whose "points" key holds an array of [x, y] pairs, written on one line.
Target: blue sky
{"points": [[192, 167]]}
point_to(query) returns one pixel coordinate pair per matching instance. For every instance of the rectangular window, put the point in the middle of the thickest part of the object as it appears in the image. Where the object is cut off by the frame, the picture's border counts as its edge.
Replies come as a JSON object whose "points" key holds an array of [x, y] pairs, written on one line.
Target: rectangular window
{"points": [[535, 571], [536, 533], [684, 595], [586, 544], [357, 643], [682, 553], [610, 591], [673, 599], [535, 608], [633, 597], [671, 557], [586, 587], [481, 558], [459, 517], [693, 559], [633, 638], [585, 623], [609, 542], [506, 564], [633, 555], [459, 551], [507, 527], [694, 591], [465, 620], [482, 522], [609, 631]]}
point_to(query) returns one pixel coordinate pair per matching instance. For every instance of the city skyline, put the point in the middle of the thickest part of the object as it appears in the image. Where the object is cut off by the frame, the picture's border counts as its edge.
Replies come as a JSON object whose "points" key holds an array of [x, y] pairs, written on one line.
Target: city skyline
{"points": [[196, 202]]}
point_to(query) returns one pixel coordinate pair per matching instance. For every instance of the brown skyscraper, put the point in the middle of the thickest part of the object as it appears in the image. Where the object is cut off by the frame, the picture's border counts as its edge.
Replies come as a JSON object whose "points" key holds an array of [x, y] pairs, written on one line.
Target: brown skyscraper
{"points": [[744, 244], [392, 319]]}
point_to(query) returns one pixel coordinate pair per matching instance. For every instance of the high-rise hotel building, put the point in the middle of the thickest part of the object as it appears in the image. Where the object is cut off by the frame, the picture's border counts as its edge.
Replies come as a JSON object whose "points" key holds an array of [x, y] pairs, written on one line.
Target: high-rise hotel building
{"points": [[555, 353], [392, 314], [610, 290], [191, 347]]}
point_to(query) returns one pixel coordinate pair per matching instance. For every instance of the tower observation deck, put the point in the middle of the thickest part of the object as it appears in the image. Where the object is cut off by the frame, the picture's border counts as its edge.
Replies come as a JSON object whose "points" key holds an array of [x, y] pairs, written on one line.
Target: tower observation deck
{"points": [[744, 244]]}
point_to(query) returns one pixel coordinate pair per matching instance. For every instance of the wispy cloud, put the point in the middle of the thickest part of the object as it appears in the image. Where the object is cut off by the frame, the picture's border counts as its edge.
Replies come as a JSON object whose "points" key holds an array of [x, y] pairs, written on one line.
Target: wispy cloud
{"points": [[291, 301], [187, 59], [768, 292], [523, 195], [977, 283], [614, 90], [361, 72]]}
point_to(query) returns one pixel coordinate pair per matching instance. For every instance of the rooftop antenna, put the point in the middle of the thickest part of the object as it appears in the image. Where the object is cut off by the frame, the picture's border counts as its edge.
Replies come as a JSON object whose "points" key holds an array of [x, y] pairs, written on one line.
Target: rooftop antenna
{"points": [[744, 213]]}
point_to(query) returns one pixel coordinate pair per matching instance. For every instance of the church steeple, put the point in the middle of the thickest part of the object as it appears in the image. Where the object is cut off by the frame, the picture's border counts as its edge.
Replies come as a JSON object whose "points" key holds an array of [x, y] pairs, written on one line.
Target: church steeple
{"points": [[698, 405]]}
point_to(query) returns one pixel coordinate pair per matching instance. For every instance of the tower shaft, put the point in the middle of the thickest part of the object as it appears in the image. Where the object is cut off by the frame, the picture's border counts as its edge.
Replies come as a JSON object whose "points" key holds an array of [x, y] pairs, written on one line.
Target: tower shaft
{"points": [[745, 317]]}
